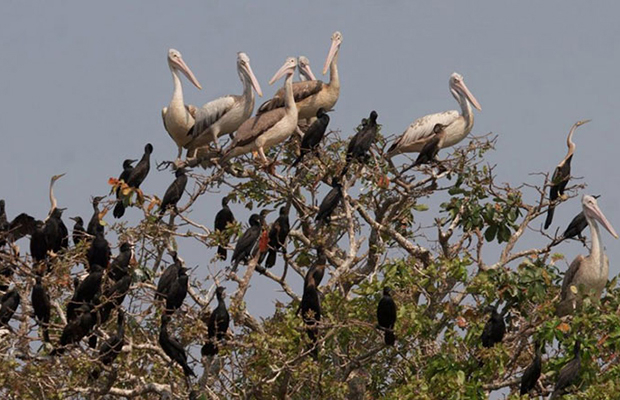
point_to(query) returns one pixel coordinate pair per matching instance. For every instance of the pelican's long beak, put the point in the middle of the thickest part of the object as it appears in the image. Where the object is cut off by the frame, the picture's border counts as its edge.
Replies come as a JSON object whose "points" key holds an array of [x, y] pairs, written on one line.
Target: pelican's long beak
{"points": [[284, 69], [600, 217], [308, 71], [253, 80], [332, 52], [461, 85], [188, 72]]}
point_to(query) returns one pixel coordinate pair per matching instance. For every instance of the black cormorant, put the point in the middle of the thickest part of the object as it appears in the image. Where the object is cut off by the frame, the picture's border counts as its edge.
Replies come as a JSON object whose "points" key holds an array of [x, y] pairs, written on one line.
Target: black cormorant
{"points": [[568, 374], [313, 136], [494, 329], [386, 316], [174, 192], [217, 325], [330, 202], [360, 143], [42, 307], [222, 219], [172, 347]]}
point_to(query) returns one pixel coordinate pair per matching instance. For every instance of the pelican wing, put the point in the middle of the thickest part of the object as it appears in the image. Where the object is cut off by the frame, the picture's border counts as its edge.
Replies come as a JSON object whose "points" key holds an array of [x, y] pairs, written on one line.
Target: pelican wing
{"points": [[422, 128], [570, 274], [301, 91], [210, 113], [256, 126]]}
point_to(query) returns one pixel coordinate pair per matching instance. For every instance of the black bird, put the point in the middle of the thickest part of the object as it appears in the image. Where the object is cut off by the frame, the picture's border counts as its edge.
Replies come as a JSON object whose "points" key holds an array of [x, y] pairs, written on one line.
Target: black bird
{"points": [[119, 209], [568, 374], [432, 146], [111, 348], [178, 291], [222, 219], [361, 142], [4, 224], [167, 277], [172, 347], [532, 373], [313, 136], [38, 242], [330, 202], [277, 236], [8, 305], [21, 226], [42, 306], [120, 266], [56, 233], [79, 233], [99, 250], [317, 270], [86, 290], [217, 325], [77, 328], [94, 220], [494, 329], [249, 239], [577, 225], [174, 192], [561, 175], [386, 316], [136, 177], [113, 297], [310, 308]]}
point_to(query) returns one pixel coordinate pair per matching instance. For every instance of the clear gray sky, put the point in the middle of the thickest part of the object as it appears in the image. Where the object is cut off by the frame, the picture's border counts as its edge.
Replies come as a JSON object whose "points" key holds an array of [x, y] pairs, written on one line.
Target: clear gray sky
{"points": [[82, 85]]}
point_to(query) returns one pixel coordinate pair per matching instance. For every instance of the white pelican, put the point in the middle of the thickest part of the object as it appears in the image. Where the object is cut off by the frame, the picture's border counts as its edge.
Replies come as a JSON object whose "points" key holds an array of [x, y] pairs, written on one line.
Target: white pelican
{"points": [[587, 276], [178, 118], [457, 125], [270, 128], [314, 94], [224, 115]]}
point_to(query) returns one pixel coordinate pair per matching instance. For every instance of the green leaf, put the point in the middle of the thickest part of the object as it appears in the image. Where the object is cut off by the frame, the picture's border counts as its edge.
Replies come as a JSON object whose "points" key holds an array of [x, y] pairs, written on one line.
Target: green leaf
{"points": [[490, 233]]}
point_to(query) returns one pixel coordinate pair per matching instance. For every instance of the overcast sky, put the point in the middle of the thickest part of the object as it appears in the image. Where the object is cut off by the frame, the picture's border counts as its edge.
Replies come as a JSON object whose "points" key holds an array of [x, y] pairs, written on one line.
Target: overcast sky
{"points": [[82, 85]]}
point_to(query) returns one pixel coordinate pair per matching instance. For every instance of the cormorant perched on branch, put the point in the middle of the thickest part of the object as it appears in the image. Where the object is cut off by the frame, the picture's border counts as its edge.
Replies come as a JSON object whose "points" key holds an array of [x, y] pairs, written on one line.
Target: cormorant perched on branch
{"points": [[119, 267], [314, 135], [172, 347], [38, 242], [99, 250], [136, 177], [568, 374], [217, 325], [310, 308], [361, 142], [86, 290], [330, 202], [277, 236], [167, 277], [577, 225], [561, 175], [494, 329], [119, 210], [222, 219], [317, 270], [56, 233], [42, 307], [77, 328], [79, 233], [174, 192], [245, 245], [386, 316], [432, 146], [111, 348], [177, 292], [8, 305], [94, 220], [532, 373]]}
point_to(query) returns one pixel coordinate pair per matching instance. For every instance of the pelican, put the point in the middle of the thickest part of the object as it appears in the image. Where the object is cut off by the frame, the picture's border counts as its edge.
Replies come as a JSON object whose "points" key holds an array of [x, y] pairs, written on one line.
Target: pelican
{"points": [[313, 94], [179, 118], [270, 128], [457, 125], [226, 114], [305, 72], [561, 175], [587, 275]]}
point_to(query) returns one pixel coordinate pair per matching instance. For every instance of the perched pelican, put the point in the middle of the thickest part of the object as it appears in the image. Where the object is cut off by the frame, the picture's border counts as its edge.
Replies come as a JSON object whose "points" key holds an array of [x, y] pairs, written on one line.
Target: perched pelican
{"points": [[179, 118], [561, 175], [457, 125], [226, 114], [313, 94], [270, 128], [587, 275], [305, 72]]}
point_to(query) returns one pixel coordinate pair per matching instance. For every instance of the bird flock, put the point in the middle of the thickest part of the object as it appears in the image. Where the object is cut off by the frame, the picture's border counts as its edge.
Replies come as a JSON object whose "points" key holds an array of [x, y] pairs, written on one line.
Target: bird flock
{"points": [[298, 108]]}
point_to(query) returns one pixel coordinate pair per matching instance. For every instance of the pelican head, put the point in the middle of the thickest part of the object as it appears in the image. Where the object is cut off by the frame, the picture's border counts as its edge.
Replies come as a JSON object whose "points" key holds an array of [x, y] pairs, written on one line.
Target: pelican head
{"points": [[243, 66], [592, 211], [336, 42], [176, 63], [304, 69], [288, 68], [457, 84]]}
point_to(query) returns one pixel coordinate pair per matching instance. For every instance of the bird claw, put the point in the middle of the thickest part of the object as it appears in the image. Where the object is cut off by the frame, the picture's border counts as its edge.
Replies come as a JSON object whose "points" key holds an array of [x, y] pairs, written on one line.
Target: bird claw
{"points": [[165, 164]]}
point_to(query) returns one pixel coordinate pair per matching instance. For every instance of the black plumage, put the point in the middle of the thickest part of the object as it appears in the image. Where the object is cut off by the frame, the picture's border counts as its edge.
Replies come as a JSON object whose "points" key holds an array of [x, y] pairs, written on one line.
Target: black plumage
{"points": [[113, 297], [79, 233], [178, 291], [576, 226], [386, 316], [330, 202], [494, 329], [99, 251], [247, 242], [119, 267], [431, 147], [277, 236], [135, 177], [219, 320], [94, 220], [4, 224], [111, 348], [360, 143], [568, 374], [310, 308], [77, 328], [174, 192], [56, 233], [42, 307], [313, 136], [172, 347], [222, 219], [21, 226], [86, 290], [38, 242], [167, 277], [8, 305], [317, 270], [532, 372], [119, 208]]}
